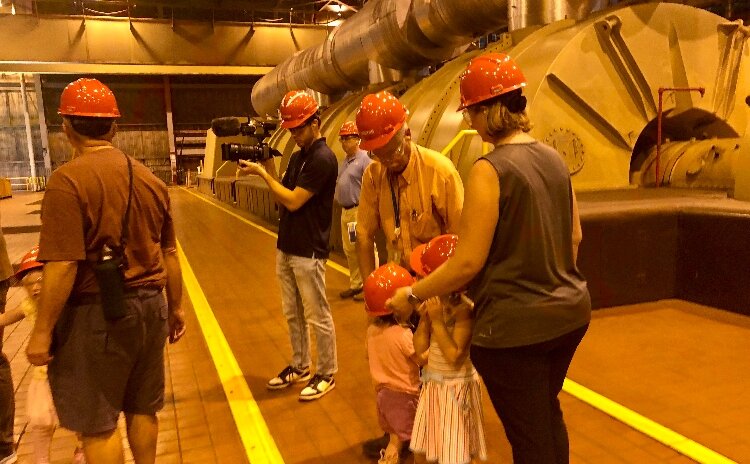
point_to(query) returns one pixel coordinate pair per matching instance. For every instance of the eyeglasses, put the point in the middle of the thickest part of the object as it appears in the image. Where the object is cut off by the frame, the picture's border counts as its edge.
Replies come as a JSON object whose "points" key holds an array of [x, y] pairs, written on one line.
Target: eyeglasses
{"points": [[386, 155]]}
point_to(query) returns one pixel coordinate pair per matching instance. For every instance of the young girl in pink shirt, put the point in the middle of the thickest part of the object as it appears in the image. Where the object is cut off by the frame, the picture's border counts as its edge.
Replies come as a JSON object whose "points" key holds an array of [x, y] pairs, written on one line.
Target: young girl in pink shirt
{"points": [[394, 364]]}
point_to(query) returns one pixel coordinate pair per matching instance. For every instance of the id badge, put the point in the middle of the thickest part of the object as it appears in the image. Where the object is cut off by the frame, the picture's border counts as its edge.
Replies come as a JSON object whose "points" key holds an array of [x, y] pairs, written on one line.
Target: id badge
{"points": [[351, 228]]}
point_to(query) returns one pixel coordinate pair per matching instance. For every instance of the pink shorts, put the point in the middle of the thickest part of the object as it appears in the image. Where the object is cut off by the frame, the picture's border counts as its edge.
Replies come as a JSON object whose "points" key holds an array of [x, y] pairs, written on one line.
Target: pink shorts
{"points": [[396, 411]]}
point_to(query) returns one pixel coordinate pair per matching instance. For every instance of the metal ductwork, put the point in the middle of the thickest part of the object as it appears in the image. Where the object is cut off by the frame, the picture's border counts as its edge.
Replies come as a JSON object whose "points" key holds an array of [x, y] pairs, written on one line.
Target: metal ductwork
{"points": [[395, 34], [402, 35]]}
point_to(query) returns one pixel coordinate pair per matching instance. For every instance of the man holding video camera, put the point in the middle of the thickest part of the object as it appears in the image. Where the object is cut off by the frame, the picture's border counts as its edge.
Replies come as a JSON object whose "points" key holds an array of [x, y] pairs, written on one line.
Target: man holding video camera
{"points": [[305, 198]]}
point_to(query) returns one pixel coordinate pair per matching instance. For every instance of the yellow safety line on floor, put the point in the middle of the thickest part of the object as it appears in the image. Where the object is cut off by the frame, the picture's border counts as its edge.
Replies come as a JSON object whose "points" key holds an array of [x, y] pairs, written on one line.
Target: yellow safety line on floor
{"points": [[674, 440], [273, 234], [658, 432], [256, 438]]}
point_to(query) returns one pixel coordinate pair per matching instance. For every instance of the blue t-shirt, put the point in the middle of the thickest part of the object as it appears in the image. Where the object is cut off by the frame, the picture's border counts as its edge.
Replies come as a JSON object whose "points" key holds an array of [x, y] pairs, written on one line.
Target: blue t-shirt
{"points": [[305, 232], [349, 182]]}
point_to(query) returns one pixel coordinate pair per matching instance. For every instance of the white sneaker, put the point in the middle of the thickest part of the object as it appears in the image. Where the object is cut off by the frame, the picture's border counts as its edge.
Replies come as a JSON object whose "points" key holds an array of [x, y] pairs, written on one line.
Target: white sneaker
{"points": [[286, 377], [318, 386]]}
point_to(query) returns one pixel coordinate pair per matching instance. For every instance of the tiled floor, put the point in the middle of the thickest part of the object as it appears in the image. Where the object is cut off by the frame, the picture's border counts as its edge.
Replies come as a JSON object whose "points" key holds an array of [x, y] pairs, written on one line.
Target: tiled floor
{"points": [[682, 365], [196, 425]]}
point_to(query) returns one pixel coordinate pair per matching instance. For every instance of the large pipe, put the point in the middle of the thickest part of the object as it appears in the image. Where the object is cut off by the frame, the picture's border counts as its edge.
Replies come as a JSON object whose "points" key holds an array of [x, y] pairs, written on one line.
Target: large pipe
{"points": [[524, 13], [402, 35], [392, 33]]}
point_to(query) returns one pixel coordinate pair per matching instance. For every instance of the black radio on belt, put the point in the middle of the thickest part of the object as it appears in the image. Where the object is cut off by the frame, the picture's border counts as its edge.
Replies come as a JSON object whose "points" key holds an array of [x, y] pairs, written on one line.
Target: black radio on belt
{"points": [[110, 277]]}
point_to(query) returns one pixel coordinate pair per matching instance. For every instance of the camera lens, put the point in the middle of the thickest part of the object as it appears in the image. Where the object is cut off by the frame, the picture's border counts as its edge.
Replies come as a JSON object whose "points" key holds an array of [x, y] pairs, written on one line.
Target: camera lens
{"points": [[238, 151]]}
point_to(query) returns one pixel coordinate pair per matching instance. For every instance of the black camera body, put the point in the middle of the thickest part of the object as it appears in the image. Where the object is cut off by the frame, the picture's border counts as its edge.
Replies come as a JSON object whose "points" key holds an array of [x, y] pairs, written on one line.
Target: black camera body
{"points": [[255, 130]]}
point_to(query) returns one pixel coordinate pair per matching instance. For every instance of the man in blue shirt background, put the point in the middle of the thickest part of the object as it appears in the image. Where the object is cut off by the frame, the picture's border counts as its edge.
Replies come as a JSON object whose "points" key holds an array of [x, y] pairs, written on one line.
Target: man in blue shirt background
{"points": [[348, 186]]}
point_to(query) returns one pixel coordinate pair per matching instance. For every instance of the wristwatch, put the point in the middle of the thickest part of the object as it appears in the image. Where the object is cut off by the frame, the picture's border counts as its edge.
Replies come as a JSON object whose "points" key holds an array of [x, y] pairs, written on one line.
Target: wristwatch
{"points": [[413, 299]]}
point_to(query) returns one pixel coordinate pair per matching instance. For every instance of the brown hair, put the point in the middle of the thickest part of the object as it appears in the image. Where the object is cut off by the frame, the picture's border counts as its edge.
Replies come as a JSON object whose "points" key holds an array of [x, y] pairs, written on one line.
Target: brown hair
{"points": [[94, 128]]}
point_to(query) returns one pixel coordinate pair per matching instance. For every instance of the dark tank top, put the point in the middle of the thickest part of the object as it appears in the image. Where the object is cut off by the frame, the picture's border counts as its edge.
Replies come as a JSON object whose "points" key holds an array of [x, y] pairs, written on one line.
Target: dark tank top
{"points": [[530, 289]]}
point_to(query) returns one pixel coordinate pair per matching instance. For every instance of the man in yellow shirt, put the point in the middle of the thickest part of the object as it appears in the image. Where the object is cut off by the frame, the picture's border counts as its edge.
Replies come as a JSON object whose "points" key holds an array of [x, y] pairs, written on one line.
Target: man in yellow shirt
{"points": [[412, 193]]}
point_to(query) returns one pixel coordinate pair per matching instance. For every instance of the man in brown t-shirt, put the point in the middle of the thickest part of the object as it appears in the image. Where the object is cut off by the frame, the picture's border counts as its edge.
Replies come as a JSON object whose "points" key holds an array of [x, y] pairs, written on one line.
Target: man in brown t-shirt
{"points": [[105, 364]]}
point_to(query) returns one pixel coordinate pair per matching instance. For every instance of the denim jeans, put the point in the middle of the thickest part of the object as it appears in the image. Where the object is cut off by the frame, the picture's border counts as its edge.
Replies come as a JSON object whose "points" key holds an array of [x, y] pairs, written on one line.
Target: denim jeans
{"points": [[303, 300]]}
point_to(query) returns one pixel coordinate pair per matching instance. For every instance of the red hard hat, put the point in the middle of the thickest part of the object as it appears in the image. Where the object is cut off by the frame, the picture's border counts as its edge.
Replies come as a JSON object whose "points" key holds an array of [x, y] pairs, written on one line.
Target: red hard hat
{"points": [[88, 97], [380, 116], [435, 252], [348, 128], [381, 284], [488, 76], [415, 260], [297, 107], [28, 262]]}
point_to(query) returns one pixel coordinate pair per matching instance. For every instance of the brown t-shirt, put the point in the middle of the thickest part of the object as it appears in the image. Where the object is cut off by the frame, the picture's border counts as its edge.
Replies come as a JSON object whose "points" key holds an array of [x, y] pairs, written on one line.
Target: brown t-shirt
{"points": [[83, 208]]}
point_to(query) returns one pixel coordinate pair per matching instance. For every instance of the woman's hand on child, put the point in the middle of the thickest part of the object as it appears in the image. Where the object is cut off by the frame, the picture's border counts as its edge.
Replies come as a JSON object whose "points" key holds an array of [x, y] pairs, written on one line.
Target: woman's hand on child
{"points": [[399, 303]]}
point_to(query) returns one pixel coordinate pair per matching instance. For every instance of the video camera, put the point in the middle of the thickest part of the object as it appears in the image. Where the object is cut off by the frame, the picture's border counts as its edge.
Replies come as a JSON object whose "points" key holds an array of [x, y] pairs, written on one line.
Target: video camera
{"points": [[258, 130]]}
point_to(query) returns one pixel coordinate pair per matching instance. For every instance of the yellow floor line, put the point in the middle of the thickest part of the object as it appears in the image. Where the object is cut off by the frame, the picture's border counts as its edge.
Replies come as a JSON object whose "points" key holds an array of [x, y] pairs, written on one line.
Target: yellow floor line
{"points": [[679, 443], [256, 438], [329, 263], [658, 432]]}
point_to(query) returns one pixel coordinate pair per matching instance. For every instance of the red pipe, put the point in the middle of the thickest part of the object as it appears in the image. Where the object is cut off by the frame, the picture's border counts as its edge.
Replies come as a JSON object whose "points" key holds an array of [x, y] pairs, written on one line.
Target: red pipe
{"points": [[701, 90]]}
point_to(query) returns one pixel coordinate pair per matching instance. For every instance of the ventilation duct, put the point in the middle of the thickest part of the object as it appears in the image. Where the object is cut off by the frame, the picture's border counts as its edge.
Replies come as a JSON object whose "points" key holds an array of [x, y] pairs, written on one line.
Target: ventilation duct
{"points": [[401, 35]]}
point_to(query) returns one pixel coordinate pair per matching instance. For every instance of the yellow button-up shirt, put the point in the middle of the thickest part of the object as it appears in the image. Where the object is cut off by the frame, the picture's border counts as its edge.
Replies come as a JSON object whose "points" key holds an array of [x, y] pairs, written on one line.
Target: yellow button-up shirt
{"points": [[430, 197]]}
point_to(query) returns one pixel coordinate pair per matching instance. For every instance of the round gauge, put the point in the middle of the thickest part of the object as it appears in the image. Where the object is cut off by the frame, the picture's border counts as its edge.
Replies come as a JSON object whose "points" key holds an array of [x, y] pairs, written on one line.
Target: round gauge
{"points": [[569, 145]]}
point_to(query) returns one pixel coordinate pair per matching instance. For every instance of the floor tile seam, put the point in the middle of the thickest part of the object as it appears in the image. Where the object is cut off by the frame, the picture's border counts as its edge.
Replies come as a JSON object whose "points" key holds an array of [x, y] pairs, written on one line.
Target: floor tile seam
{"points": [[253, 431], [174, 405], [683, 445], [335, 266]]}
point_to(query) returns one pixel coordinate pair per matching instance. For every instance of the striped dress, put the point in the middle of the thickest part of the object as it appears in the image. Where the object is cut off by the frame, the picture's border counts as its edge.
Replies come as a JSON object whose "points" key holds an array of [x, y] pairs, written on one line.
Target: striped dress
{"points": [[448, 426]]}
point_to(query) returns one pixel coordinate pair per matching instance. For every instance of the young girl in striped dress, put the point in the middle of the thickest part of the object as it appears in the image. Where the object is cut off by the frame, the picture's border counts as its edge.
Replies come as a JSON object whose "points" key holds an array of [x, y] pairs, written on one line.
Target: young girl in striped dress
{"points": [[448, 426]]}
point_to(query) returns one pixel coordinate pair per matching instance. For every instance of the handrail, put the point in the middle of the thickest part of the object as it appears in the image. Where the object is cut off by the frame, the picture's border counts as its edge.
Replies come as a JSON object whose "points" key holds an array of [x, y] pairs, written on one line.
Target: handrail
{"points": [[461, 134], [33, 184]]}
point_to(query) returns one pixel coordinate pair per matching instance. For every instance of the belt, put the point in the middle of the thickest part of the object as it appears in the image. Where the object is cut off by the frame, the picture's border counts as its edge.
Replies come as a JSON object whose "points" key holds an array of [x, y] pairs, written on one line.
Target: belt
{"points": [[350, 207], [94, 298]]}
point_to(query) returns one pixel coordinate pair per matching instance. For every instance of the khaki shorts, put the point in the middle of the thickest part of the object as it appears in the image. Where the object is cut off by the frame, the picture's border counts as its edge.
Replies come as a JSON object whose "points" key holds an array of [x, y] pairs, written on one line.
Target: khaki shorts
{"points": [[101, 368]]}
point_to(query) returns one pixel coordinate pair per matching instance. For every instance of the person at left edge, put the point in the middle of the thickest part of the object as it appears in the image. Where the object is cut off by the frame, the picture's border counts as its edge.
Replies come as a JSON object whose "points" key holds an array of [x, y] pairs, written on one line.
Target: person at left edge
{"points": [[305, 198], [102, 367]]}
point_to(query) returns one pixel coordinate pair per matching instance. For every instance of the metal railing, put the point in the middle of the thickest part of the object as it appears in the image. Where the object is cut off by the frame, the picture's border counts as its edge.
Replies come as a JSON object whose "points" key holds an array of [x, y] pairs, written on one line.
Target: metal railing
{"points": [[29, 184]]}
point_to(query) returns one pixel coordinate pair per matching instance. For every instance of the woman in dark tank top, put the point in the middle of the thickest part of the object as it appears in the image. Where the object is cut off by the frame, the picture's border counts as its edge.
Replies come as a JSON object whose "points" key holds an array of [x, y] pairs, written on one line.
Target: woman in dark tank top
{"points": [[519, 238]]}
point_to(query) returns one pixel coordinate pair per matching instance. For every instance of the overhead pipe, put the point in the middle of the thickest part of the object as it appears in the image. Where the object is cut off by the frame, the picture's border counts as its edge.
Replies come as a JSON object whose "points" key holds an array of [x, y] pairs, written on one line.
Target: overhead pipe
{"points": [[401, 35]]}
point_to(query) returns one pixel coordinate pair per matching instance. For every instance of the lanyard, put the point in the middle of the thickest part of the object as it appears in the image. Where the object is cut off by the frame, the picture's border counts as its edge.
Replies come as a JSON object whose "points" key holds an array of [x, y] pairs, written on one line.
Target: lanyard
{"points": [[396, 201]]}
